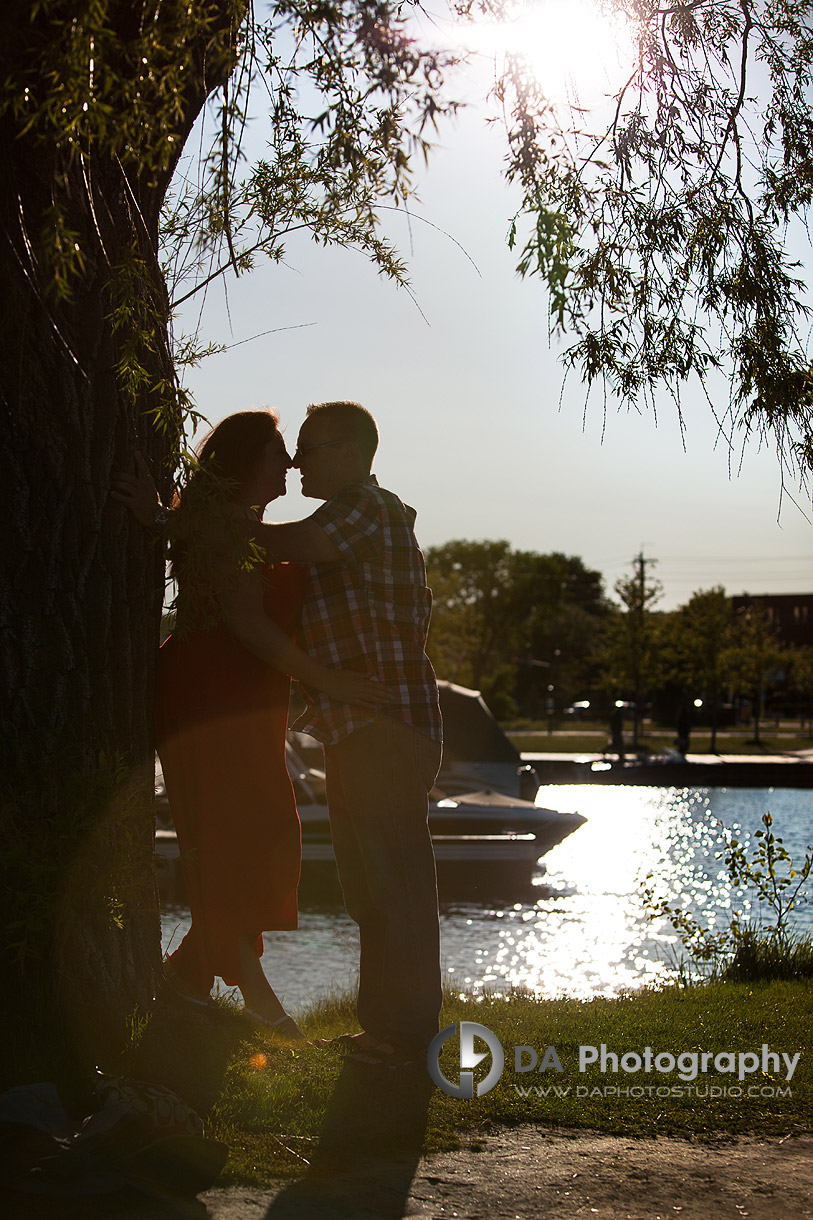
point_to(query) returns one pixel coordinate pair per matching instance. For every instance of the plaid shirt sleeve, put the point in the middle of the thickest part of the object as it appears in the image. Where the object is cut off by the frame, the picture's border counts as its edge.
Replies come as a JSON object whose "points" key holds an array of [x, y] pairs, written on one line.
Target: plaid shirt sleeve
{"points": [[370, 612], [352, 520]]}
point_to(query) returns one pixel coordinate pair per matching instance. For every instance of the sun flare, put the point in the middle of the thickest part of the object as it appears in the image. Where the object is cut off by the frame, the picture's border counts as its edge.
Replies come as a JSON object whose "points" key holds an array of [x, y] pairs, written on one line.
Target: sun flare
{"points": [[577, 52]]}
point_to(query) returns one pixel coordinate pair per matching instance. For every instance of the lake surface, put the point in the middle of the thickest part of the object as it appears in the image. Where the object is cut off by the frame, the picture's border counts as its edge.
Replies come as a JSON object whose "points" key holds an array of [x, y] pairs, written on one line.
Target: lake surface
{"points": [[580, 929]]}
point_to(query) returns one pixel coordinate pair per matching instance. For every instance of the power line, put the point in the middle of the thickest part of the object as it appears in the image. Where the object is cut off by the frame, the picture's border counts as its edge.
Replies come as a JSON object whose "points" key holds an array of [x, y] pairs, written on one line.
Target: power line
{"points": [[729, 558]]}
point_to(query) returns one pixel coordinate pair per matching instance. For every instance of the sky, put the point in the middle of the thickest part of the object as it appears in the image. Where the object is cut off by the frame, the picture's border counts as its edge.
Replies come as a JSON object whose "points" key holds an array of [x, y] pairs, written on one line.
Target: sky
{"points": [[477, 432]]}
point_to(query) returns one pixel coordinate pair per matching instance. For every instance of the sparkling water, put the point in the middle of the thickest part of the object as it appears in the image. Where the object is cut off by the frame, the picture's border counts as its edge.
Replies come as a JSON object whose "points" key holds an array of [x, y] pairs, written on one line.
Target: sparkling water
{"points": [[580, 929]]}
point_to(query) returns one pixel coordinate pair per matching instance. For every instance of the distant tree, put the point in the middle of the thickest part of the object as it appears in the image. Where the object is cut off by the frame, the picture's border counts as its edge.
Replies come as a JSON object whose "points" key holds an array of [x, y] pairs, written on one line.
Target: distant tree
{"points": [[801, 664], [564, 631], [481, 595], [500, 615], [754, 659], [700, 635]]}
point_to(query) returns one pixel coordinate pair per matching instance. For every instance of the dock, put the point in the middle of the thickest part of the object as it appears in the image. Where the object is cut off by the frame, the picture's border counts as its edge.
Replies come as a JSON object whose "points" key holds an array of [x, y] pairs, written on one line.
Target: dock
{"points": [[693, 771]]}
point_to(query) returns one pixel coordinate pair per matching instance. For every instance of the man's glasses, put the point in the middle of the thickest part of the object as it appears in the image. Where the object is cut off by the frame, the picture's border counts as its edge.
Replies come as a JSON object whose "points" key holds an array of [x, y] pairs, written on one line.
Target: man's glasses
{"points": [[299, 452]]}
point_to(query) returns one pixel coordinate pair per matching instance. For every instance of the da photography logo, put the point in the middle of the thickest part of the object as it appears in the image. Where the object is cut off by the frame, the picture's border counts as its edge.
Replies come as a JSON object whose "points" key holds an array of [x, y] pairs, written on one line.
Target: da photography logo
{"points": [[686, 1066], [469, 1058]]}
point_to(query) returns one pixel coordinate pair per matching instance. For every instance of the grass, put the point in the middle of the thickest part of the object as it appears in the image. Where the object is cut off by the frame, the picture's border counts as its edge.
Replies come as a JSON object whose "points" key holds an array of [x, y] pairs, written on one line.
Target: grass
{"points": [[271, 1107], [769, 957], [593, 738]]}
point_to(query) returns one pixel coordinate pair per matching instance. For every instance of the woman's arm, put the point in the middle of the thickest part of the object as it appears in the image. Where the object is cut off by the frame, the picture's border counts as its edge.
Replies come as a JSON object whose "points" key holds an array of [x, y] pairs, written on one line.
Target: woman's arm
{"points": [[244, 612], [245, 615], [302, 541]]}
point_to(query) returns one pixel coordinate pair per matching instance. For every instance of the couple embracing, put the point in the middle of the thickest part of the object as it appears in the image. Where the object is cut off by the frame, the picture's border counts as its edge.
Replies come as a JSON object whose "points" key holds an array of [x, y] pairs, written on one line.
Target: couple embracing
{"points": [[350, 582]]}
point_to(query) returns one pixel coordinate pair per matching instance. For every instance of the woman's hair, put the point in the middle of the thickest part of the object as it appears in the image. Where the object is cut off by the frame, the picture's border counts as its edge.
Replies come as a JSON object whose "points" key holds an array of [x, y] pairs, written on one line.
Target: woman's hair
{"points": [[225, 461], [234, 446], [228, 454]]}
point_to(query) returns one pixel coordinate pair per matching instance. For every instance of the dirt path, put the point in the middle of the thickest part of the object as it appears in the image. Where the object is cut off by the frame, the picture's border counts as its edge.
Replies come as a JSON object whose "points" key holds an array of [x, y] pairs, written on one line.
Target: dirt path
{"points": [[518, 1173], [529, 1172]]}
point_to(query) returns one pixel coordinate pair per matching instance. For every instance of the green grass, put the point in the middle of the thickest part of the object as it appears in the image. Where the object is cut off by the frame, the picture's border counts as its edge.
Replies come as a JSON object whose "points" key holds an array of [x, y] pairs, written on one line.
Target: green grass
{"points": [[761, 956], [272, 1111], [594, 738]]}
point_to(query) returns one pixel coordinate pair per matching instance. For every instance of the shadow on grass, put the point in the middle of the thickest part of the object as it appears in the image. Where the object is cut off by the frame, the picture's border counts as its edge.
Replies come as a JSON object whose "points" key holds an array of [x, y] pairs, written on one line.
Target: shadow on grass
{"points": [[369, 1147], [187, 1050], [364, 1159], [178, 1047]]}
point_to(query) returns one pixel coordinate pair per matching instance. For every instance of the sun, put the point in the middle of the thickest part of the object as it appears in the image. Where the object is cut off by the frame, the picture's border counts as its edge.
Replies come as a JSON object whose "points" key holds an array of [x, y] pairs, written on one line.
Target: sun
{"points": [[578, 53]]}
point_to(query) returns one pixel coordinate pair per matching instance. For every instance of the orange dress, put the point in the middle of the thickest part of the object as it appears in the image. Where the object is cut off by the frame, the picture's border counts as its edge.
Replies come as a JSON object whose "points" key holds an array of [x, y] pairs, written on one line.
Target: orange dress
{"points": [[221, 720]]}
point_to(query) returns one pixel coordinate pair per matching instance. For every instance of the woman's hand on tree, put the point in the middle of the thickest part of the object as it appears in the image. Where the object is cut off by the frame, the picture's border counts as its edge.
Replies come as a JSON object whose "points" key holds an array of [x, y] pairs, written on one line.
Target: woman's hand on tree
{"points": [[138, 492]]}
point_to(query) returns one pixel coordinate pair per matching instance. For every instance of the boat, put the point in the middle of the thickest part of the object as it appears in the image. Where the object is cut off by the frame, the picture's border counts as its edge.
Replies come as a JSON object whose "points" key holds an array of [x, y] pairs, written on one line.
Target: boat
{"points": [[472, 828], [482, 812]]}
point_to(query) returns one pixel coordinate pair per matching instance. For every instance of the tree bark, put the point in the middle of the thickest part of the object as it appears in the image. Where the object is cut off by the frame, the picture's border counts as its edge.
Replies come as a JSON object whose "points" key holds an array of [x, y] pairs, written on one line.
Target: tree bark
{"points": [[78, 625], [81, 599]]}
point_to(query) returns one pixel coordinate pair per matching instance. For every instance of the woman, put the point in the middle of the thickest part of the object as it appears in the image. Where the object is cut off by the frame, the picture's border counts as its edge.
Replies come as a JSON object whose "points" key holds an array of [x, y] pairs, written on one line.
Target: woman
{"points": [[221, 719]]}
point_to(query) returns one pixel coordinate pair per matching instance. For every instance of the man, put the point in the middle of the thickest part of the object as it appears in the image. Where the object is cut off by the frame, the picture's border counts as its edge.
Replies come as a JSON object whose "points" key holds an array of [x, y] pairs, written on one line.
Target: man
{"points": [[367, 608]]}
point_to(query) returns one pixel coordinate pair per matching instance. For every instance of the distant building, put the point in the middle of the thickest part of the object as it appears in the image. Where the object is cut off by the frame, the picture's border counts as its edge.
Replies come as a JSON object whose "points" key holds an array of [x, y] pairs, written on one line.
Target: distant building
{"points": [[790, 614]]}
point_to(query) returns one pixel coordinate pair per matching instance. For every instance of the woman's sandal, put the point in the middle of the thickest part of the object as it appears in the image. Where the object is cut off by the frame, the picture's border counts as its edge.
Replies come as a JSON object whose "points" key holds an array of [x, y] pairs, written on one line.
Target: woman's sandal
{"points": [[284, 1028], [173, 988]]}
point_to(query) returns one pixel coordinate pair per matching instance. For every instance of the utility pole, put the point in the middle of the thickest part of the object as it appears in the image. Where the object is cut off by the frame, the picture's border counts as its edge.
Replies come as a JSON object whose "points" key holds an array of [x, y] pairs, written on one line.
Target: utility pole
{"points": [[638, 644], [637, 593], [639, 641]]}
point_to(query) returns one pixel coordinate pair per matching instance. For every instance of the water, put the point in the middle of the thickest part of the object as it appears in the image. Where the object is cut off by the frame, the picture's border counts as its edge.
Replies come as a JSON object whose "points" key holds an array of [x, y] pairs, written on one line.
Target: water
{"points": [[580, 929]]}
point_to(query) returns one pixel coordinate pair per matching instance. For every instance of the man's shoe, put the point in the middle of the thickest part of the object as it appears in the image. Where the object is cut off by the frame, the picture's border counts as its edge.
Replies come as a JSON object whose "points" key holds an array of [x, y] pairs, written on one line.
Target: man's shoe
{"points": [[393, 1054]]}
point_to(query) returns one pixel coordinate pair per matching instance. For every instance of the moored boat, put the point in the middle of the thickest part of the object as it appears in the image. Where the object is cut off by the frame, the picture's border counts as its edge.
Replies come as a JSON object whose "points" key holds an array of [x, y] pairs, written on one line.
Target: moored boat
{"points": [[471, 828], [479, 814]]}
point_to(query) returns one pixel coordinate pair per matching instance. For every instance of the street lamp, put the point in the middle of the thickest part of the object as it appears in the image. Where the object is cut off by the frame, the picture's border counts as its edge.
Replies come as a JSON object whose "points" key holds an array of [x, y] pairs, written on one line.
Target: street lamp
{"points": [[550, 702]]}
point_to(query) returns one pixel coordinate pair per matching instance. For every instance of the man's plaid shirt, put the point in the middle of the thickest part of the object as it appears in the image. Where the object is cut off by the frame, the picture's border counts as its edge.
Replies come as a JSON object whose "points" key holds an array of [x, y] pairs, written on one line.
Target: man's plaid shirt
{"points": [[369, 613]]}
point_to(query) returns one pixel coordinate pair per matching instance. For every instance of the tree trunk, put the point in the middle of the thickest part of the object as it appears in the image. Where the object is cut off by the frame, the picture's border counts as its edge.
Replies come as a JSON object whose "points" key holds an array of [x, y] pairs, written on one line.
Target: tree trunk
{"points": [[78, 628], [714, 726], [757, 714], [82, 582]]}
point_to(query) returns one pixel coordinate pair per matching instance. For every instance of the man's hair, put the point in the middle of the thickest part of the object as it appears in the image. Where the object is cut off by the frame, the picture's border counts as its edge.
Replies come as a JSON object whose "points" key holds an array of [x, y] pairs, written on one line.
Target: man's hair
{"points": [[354, 420]]}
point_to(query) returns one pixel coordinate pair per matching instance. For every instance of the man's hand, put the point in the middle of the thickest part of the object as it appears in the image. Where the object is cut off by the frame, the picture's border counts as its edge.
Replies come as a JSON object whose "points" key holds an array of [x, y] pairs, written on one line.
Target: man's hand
{"points": [[138, 492], [345, 686]]}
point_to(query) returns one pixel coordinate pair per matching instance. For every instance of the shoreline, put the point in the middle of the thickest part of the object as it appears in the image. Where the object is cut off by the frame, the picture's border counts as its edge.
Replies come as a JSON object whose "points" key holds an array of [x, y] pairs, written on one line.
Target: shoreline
{"points": [[695, 771]]}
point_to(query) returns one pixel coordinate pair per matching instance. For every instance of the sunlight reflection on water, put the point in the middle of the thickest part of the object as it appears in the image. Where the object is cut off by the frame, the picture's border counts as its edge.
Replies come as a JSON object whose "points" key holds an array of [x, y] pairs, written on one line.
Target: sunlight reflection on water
{"points": [[580, 929], [587, 933]]}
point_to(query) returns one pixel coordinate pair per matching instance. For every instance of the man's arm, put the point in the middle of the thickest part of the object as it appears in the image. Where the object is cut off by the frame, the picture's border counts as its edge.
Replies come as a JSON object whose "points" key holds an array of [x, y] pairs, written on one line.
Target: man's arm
{"points": [[245, 615], [301, 541]]}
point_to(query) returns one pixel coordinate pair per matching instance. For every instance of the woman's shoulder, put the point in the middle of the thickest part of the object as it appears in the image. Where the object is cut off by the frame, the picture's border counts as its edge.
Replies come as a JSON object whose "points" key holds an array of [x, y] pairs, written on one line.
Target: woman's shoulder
{"points": [[284, 591], [285, 574]]}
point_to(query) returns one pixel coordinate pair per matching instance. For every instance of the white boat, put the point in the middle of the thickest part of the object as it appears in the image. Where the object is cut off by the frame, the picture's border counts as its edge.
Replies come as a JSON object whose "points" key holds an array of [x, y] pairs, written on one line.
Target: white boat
{"points": [[477, 828], [477, 816]]}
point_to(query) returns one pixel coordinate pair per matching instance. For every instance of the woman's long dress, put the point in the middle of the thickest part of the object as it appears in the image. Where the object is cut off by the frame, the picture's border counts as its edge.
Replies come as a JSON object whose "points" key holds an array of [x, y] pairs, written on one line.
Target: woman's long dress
{"points": [[221, 719]]}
